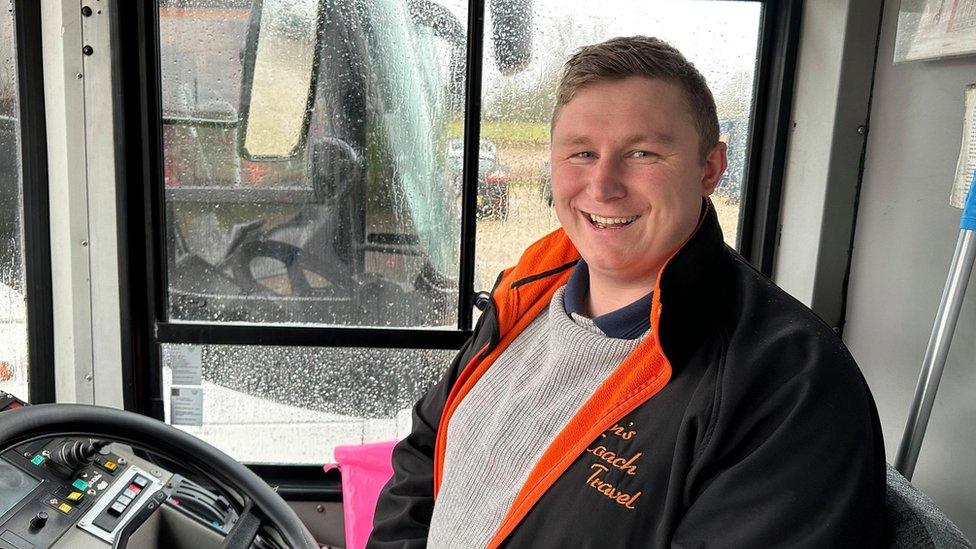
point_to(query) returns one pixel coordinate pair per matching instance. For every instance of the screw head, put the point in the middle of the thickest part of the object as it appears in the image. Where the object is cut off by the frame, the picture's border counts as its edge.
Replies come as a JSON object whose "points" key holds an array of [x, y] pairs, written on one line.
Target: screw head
{"points": [[861, 130], [88, 377], [86, 11], [320, 508], [87, 50]]}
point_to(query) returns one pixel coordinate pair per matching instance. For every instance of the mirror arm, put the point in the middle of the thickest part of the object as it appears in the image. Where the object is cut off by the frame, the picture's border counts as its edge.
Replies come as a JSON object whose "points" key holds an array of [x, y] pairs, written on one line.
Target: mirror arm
{"points": [[439, 19]]}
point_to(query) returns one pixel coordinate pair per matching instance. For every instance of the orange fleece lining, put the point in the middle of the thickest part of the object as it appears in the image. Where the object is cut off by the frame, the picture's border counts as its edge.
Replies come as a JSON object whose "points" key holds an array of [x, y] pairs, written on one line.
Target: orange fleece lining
{"points": [[473, 372], [553, 249], [575, 437], [605, 407]]}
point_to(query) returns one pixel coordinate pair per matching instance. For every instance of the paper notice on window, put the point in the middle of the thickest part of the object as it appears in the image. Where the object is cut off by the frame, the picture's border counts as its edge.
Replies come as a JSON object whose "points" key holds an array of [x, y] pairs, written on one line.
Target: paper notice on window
{"points": [[186, 406], [967, 152], [186, 362], [930, 29]]}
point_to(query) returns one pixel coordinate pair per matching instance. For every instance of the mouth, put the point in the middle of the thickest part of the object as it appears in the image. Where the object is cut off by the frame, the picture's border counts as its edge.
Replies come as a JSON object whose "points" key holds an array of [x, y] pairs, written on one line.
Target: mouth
{"points": [[601, 222]]}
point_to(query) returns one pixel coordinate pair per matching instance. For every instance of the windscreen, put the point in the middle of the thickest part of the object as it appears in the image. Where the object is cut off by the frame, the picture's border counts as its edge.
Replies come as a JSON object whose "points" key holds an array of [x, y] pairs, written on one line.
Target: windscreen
{"points": [[14, 486]]}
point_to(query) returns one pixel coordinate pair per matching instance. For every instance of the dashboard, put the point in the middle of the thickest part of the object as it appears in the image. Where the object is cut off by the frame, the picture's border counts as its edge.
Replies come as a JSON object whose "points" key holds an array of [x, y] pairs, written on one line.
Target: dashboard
{"points": [[82, 493]]}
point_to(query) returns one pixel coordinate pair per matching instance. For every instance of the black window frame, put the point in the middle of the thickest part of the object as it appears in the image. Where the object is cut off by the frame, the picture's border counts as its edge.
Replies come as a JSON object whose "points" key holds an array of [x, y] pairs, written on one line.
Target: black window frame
{"points": [[35, 212], [141, 198]]}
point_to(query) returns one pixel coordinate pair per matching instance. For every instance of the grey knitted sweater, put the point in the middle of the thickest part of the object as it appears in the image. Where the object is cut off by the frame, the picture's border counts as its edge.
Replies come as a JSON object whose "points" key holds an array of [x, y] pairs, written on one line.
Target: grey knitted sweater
{"points": [[502, 427]]}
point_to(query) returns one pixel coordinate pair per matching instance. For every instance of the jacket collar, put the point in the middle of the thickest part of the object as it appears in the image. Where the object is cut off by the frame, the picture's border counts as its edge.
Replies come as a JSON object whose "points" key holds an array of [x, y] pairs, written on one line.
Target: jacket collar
{"points": [[693, 281]]}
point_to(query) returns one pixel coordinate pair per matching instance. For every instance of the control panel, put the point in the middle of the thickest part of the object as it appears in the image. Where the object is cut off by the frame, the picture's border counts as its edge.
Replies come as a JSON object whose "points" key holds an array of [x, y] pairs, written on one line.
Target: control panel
{"points": [[53, 486]]}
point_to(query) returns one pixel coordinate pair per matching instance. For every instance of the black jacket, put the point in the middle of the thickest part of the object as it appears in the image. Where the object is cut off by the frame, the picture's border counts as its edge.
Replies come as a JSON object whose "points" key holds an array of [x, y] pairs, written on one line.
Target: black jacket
{"points": [[740, 421]]}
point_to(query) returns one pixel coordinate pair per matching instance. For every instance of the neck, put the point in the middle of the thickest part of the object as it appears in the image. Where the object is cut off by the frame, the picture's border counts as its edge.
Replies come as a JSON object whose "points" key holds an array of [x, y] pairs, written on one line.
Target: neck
{"points": [[607, 295]]}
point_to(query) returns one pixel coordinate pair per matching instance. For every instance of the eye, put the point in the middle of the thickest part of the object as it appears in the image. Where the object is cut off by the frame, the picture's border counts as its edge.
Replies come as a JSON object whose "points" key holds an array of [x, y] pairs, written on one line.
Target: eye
{"points": [[644, 154], [584, 154]]}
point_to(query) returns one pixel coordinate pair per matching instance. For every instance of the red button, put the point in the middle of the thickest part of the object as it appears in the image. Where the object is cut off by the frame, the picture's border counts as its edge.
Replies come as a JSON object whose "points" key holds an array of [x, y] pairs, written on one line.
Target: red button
{"points": [[135, 488]]}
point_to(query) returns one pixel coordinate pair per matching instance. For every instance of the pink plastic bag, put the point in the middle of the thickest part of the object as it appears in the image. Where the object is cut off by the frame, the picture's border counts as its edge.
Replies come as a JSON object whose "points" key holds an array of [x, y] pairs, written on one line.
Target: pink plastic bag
{"points": [[365, 470]]}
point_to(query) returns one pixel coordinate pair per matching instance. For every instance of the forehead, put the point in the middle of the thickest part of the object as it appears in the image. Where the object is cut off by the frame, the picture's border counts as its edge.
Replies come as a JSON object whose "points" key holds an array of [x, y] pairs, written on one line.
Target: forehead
{"points": [[630, 105]]}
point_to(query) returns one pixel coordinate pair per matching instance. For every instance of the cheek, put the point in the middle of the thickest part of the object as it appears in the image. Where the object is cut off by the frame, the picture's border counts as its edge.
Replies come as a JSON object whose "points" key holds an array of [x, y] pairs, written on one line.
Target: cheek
{"points": [[564, 184], [568, 174]]}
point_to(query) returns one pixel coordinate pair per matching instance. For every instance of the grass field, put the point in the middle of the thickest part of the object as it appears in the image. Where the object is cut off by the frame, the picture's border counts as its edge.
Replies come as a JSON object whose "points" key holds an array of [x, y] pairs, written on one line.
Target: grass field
{"points": [[507, 132]]}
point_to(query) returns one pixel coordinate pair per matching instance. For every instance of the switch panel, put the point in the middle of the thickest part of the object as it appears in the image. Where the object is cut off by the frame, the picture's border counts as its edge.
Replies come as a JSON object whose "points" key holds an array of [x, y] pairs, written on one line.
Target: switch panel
{"points": [[116, 505]]}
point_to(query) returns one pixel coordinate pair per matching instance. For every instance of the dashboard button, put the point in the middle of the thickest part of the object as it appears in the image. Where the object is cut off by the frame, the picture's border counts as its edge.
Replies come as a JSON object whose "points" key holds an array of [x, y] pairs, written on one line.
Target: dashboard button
{"points": [[116, 509], [65, 508], [75, 497], [80, 485]]}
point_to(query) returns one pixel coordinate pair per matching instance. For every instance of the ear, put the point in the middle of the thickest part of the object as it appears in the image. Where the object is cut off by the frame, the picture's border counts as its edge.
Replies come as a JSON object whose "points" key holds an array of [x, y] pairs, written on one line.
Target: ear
{"points": [[715, 164]]}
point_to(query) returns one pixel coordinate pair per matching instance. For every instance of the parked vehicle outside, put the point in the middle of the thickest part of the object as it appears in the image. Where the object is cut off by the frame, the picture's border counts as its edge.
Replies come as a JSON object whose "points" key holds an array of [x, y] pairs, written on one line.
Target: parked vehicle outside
{"points": [[493, 178]]}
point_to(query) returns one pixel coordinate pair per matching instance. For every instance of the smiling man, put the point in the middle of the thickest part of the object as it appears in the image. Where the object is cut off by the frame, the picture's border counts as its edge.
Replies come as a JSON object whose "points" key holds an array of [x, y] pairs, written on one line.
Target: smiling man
{"points": [[634, 382]]}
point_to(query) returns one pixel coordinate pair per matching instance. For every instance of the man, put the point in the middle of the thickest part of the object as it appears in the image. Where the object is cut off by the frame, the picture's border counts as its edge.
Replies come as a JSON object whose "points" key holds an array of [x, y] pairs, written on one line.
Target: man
{"points": [[634, 382]]}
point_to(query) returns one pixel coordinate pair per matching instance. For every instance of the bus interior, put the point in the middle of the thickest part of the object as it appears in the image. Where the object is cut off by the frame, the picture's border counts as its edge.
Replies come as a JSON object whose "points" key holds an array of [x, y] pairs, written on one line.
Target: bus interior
{"points": [[239, 239]]}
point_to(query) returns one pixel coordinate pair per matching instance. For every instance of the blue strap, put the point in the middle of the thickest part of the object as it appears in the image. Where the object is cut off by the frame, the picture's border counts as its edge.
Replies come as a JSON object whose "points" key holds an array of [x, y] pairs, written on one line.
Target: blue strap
{"points": [[968, 220]]}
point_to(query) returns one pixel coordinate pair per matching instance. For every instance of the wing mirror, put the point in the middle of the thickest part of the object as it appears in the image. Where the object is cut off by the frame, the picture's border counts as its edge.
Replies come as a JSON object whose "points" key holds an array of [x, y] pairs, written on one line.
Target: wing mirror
{"points": [[279, 77]]}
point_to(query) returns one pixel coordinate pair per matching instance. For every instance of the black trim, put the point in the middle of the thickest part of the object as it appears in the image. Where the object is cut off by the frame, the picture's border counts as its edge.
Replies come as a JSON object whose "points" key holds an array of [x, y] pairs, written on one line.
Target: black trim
{"points": [[265, 334], [301, 482], [472, 142], [142, 283], [36, 207], [776, 69]]}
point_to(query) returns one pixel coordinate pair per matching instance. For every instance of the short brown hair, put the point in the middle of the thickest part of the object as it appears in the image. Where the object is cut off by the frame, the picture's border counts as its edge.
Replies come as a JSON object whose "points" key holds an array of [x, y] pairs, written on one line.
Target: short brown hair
{"points": [[623, 57]]}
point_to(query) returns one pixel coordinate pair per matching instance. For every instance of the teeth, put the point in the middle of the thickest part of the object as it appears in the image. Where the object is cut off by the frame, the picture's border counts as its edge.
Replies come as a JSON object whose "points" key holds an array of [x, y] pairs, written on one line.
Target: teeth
{"points": [[611, 220]]}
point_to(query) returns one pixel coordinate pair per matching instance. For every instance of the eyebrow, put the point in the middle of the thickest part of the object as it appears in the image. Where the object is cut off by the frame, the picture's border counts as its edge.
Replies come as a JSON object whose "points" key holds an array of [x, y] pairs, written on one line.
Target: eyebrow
{"points": [[652, 137]]}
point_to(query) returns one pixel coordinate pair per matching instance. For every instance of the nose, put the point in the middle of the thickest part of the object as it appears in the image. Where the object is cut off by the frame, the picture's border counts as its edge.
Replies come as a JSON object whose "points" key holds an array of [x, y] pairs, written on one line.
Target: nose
{"points": [[607, 181]]}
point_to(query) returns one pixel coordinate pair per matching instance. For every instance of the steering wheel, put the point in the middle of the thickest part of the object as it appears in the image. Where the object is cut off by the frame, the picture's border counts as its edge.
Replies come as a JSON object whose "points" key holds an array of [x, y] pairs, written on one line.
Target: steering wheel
{"points": [[261, 505]]}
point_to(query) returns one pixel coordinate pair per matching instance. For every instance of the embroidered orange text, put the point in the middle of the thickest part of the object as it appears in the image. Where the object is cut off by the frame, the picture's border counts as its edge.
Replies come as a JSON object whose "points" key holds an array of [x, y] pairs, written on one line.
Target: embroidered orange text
{"points": [[622, 463], [619, 430], [609, 490]]}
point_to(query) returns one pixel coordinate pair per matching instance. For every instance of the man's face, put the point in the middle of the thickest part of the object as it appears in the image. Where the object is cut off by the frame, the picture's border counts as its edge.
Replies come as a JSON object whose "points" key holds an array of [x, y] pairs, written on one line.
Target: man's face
{"points": [[627, 175]]}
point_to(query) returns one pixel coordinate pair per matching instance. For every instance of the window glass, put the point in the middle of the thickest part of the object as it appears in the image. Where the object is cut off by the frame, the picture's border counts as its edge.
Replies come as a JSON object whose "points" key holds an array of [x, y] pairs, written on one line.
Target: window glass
{"points": [[360, 225], [514, 189], [13, 311], [295, 404]]}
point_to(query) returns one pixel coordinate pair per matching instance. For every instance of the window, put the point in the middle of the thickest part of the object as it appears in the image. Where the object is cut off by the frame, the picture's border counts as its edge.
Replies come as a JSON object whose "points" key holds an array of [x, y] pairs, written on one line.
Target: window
{"points": [[13, 307], [313, 173], [283, 240]]}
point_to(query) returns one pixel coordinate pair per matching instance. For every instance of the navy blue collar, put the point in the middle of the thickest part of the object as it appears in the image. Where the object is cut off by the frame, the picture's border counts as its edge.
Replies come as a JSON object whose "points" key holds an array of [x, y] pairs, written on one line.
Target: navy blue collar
{"points": [[628, 322]]}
